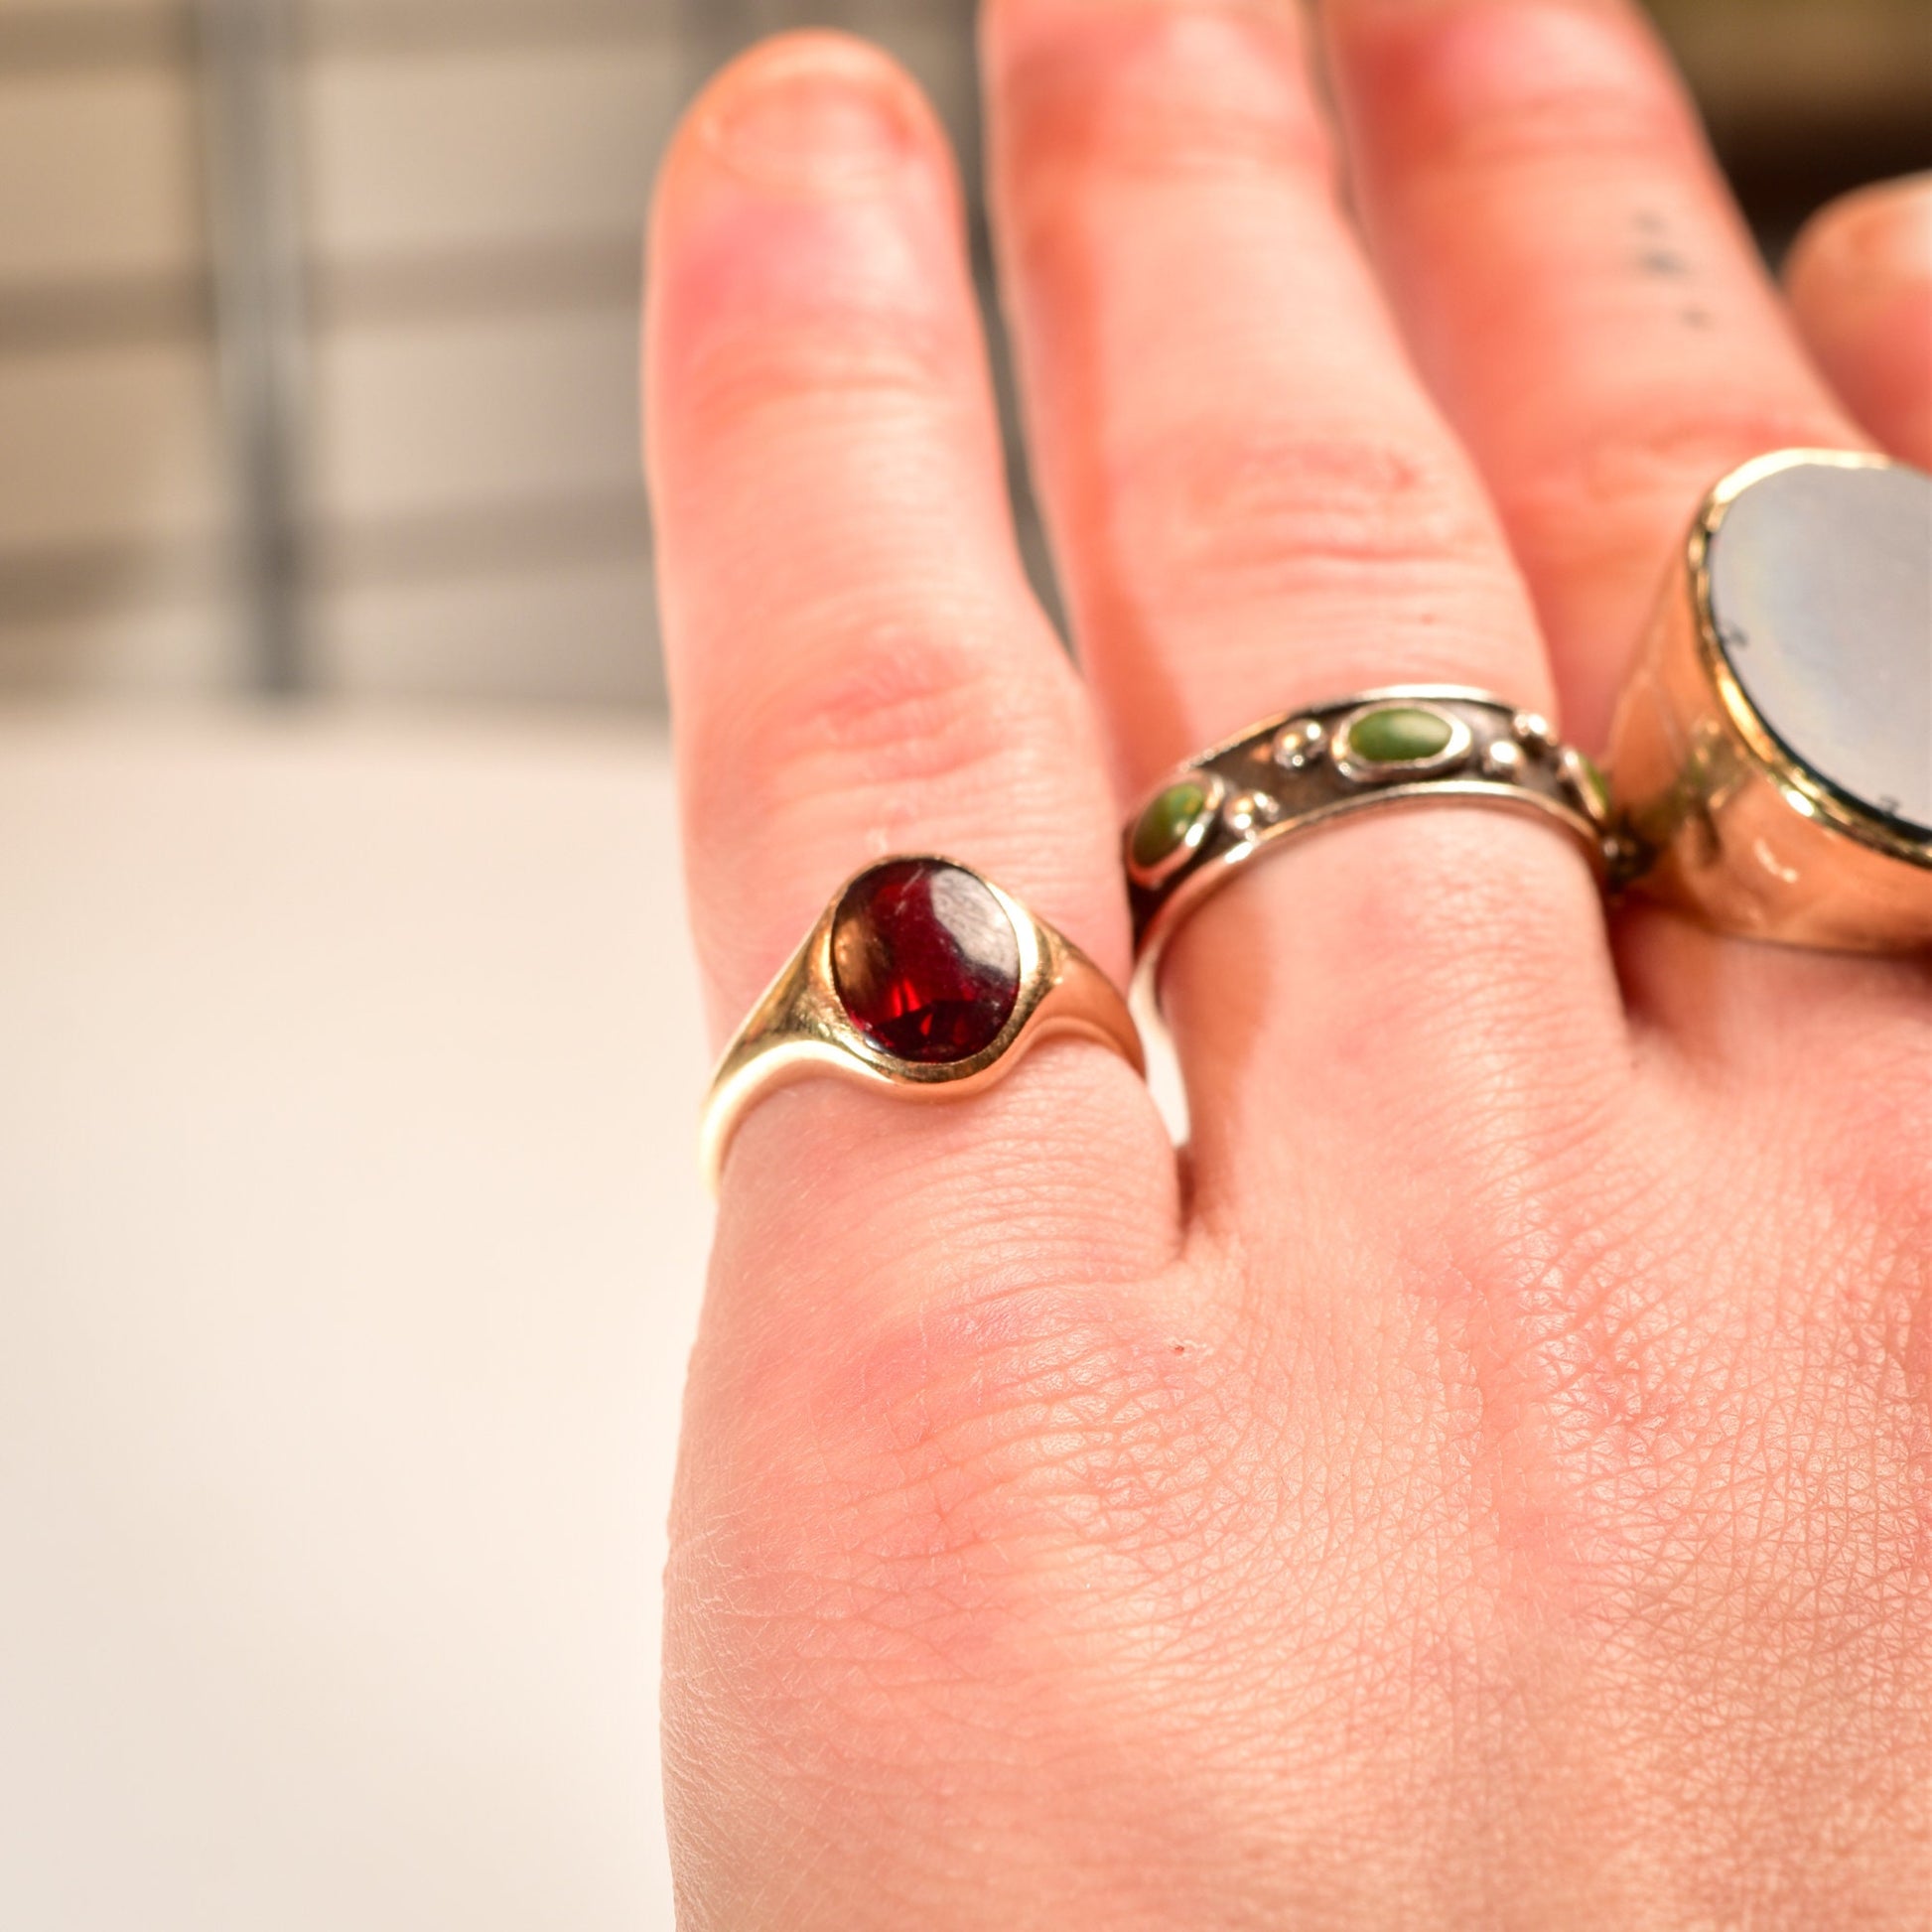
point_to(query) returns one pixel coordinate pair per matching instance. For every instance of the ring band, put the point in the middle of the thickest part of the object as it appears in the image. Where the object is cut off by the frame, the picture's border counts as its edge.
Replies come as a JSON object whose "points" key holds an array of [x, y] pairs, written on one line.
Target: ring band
{"points": [[1772, 758], [921, 976], [1412, 743]]}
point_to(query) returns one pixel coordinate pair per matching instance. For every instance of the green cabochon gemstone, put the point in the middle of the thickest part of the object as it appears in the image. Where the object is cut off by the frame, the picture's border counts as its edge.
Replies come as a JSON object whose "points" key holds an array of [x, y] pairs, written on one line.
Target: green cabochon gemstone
{"points": [[1160, 829], [1594, 787], [1399, 733]]}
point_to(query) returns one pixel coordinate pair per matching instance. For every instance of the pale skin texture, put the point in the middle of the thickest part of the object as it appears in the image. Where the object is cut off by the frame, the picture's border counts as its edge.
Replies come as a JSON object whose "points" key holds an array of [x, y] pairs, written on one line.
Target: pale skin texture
{"points": [[1484, 1481], [1860, 284]]}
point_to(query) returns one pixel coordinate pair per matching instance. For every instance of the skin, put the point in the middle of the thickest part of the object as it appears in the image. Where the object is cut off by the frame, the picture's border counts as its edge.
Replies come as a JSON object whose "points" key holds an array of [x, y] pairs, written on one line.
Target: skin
{"points": [[1860, 285], [1483, 1481]]}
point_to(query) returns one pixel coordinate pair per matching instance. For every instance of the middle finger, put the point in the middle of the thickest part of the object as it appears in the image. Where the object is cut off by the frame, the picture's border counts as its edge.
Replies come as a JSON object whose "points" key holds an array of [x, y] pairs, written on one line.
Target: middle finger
{"points": [[1580, 288], [1255, 506]]}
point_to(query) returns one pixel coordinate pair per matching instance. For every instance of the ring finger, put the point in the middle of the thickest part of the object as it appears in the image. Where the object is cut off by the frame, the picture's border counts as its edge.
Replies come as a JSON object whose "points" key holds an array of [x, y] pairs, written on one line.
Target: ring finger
{"points": [[1254, 505]]}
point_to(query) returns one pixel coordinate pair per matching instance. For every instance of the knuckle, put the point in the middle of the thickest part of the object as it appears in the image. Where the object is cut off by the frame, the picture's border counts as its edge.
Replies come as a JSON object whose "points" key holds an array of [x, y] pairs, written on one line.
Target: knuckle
{"points": [[1030, 1442], [1630, 478], [1868, 1159], [950, 1514], [1494, 85], [882, 706], [1078, 1429], [823, 363], [1157, 92], [1250, 509]]}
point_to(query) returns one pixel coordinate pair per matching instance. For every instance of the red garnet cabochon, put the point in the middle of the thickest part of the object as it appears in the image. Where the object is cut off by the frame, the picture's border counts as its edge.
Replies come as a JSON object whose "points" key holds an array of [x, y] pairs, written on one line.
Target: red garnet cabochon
{"points": [[926, 960]]}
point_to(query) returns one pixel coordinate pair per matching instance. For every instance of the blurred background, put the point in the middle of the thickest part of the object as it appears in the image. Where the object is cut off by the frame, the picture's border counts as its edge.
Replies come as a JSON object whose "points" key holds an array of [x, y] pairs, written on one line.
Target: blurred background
{"points": [[317, 316]]}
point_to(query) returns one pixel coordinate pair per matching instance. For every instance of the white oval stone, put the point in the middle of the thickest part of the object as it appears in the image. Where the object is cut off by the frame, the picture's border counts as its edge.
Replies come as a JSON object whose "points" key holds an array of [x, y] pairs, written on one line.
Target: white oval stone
{"points": [[1821, 595]]}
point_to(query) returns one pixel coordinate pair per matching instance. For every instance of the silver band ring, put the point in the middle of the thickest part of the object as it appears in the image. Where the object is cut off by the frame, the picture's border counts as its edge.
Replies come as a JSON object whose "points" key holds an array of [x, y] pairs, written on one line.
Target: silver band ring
{"points": [[1410, 744]]}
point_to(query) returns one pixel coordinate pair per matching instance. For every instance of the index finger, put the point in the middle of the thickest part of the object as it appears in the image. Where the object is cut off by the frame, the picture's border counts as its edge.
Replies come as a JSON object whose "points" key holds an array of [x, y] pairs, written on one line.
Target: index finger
{"points": [[858, 668]]}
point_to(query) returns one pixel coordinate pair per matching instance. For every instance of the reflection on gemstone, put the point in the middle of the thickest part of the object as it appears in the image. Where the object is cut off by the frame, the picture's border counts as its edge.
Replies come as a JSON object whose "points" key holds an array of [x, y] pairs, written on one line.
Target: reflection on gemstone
{"points": [[1587, 784], [1399, 733], [926, 960], [1163, 828], [1821, 596]]}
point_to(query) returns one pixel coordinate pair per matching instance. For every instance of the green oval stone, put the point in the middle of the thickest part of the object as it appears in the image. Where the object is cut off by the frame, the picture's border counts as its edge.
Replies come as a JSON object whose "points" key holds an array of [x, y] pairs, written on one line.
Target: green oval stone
{"points": [[1592, 787], [1399, 733], [1161, 828]]}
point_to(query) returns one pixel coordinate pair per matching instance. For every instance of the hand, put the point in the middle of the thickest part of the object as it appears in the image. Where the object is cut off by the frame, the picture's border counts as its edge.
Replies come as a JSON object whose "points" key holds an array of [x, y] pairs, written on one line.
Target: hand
{"points": [[1483, 1481]]}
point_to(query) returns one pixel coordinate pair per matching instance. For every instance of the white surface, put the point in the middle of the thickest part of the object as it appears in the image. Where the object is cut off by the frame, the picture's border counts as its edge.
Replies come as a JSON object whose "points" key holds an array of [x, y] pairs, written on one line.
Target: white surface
{"points": [[350, 1252]]}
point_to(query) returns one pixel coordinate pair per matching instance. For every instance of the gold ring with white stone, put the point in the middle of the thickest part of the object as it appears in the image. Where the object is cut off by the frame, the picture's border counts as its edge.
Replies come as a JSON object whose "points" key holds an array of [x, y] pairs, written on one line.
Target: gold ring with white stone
{"points": [[1771, 759], [1410, 743]]}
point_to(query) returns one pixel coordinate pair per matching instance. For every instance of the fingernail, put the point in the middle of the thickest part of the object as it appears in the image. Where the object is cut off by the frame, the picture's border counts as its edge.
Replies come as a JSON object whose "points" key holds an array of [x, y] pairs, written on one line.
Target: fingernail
{"points": [[812, 110]]}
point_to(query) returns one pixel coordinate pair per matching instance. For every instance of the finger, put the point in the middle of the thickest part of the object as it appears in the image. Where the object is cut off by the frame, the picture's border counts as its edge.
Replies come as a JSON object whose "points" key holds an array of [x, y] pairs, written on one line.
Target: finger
{"points": [[1254, 505], [857, 668], [1859, 279], [1579, 290]]}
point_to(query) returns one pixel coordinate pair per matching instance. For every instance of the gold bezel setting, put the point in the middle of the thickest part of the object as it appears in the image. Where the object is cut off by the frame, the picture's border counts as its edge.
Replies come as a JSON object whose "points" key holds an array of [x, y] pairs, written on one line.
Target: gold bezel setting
{"points": [[1715, 814]]}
